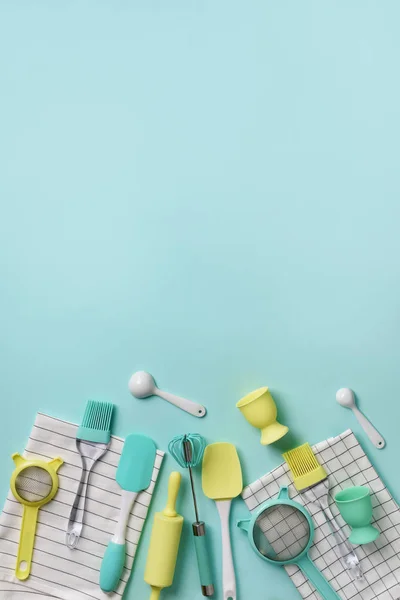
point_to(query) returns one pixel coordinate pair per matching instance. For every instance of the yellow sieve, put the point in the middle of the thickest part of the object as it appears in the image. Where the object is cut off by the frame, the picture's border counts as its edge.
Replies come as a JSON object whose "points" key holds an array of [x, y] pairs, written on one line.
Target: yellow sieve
{"points": [[34, 483]]}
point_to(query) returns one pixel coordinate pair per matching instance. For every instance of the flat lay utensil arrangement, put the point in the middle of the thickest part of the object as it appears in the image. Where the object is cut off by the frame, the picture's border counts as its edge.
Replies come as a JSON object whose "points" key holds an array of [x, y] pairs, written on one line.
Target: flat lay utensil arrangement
{"points": [[345, 397], [222, 481], [280, 530], [134, 473], [142, 385], [92, 441], [188, 451], [34, 483]]}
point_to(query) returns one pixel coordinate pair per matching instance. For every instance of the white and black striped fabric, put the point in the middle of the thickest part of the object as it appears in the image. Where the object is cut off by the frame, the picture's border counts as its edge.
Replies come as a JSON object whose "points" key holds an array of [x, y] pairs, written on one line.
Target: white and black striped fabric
{"points": [[58, 572]]}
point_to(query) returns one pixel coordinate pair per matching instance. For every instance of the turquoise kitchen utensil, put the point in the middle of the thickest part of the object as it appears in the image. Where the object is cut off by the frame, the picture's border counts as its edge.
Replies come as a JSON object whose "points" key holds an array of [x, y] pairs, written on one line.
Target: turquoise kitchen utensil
{"points": [[355, 507], [188, 451], [134, 473], [93, 439], [281, 532]]}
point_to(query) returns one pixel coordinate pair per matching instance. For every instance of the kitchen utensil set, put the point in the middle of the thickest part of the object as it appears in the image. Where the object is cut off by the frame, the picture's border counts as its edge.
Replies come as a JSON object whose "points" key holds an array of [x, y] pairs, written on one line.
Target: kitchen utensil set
{"points": [[280, 531]]}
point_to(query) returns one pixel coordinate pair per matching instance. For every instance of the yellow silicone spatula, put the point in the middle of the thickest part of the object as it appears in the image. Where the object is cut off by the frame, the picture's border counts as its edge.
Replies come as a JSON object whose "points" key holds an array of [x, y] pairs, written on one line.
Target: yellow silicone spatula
{"points": [[222, 481]]}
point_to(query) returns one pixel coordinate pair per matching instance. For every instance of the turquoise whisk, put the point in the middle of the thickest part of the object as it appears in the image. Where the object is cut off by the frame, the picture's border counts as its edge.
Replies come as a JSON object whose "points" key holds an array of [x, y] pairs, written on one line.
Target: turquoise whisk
{"points": [[188, 451]]}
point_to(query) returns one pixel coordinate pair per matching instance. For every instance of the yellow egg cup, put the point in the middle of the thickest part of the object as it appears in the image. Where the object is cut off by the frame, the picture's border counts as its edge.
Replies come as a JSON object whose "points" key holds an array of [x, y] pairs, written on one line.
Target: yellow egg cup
{"points": [[260, 410], [31, 509]]}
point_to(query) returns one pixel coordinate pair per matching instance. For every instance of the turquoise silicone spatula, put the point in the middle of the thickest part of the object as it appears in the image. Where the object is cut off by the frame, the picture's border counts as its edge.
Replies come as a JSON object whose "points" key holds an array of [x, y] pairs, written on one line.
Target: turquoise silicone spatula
{"points": [[134, 473]]}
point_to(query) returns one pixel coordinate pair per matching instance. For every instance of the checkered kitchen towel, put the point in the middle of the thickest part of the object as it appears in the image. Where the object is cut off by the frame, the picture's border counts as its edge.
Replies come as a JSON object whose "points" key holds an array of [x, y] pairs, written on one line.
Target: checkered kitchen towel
{"points": [[347, 465], [57, 571]]}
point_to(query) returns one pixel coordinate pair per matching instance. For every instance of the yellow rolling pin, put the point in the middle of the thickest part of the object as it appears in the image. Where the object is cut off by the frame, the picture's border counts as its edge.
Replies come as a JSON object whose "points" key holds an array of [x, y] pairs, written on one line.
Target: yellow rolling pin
{"points": [[164, 542]]}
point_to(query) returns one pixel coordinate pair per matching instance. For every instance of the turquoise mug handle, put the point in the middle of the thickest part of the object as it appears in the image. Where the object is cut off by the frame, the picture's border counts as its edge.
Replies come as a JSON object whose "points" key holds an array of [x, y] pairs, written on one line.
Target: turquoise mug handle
{"points": [[322, 586]]}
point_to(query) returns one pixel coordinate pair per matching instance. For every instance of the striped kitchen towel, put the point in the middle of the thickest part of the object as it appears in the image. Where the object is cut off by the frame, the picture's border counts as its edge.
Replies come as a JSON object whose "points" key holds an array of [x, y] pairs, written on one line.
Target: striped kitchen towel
{"points": [[346, 464], [58, 572]]}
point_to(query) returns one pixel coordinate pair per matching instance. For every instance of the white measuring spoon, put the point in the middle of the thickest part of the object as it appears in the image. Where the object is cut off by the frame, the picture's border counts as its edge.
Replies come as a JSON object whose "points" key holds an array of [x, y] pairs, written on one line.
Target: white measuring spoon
{"points": [[142, 385], [345, 397]]}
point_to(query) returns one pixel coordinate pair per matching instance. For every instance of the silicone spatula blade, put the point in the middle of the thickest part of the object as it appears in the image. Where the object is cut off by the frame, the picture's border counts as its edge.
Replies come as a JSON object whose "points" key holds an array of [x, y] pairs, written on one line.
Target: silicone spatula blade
{"points": [[222, 480], [222, 473], [134, 474], [136, 464]]}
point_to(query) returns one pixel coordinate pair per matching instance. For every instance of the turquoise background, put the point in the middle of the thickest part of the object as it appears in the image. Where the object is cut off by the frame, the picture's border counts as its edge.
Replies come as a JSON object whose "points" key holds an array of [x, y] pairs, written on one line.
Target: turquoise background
{"points": [[209, 190]]}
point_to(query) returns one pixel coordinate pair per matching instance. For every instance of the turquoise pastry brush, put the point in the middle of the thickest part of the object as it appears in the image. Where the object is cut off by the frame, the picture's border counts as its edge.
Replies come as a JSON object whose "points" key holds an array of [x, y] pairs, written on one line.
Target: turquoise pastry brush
{"points": [[134, 473], [188, 451], [93, 439]]}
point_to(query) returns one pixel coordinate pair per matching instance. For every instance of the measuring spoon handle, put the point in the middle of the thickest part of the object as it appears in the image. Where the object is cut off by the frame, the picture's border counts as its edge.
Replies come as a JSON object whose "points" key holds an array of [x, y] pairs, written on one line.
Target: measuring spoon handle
{"points": [[369, 429], [197, 410]]}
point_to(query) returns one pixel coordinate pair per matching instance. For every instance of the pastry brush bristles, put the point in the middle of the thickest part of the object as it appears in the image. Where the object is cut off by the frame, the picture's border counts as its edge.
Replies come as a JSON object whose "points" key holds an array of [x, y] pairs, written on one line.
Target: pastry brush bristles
{"points": [[304, 466], [96, 422], [98, 415]]}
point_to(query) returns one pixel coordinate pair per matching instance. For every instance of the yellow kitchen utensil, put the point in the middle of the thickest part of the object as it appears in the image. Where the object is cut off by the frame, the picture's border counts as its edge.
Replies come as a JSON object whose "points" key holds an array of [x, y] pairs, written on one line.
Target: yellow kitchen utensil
{"points": [[34, 483], [259, 409], [222, 481], [304, 466], [164, 542]]}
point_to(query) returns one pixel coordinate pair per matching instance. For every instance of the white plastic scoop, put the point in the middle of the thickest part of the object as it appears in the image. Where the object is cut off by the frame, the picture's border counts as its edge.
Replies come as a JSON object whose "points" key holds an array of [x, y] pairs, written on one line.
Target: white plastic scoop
{"points": [[345, 397], [142, 385]]}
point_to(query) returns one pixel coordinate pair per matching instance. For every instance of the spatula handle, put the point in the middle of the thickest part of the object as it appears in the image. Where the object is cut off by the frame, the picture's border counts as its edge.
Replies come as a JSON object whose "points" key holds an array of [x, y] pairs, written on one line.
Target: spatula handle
{"points": [[228, 570], [113, 561], [112, 566]]}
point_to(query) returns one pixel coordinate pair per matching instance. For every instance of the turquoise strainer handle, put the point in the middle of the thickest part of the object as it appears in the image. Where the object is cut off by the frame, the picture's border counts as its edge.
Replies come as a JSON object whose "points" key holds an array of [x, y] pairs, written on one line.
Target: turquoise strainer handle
{"points": [[322, 586]]}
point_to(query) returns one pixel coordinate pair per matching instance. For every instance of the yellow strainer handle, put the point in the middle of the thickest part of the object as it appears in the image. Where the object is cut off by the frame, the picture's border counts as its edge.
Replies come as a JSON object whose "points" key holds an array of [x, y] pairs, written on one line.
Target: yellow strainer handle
{"points": [[26, 542]]}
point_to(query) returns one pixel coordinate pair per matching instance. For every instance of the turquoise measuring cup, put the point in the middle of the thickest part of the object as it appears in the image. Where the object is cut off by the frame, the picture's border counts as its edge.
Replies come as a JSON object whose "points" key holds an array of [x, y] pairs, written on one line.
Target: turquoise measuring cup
{"points": [[281, 532]]}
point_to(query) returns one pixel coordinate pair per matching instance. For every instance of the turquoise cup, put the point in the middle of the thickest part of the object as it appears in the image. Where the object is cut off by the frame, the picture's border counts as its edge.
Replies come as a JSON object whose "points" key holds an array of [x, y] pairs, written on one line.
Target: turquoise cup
{"points": [[355, 507]]}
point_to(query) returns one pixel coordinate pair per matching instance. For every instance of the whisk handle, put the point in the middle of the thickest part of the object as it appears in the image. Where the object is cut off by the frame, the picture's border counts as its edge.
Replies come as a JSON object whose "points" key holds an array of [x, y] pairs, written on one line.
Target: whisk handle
{"points": [[203, 558]]}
